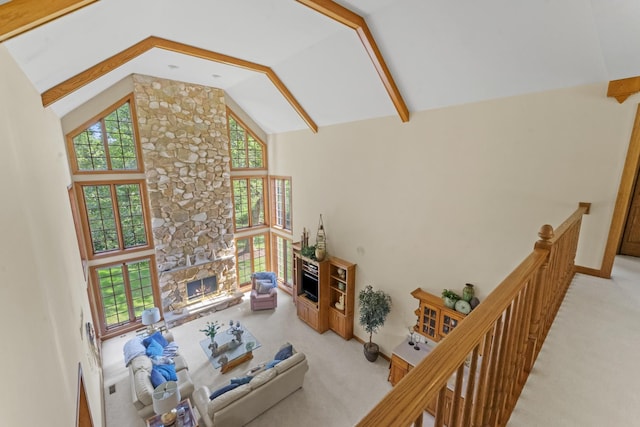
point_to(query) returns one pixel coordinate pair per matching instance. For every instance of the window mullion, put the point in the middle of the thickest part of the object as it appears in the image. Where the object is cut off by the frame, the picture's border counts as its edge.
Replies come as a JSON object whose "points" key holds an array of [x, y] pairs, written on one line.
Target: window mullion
{"points": [[249, 211], [116, 216], [127, 291], [105, 143]]}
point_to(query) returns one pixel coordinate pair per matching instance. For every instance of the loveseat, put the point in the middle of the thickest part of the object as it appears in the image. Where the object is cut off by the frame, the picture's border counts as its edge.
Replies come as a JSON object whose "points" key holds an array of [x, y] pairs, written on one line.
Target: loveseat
{"points": [[140, 370], [268, 386]]}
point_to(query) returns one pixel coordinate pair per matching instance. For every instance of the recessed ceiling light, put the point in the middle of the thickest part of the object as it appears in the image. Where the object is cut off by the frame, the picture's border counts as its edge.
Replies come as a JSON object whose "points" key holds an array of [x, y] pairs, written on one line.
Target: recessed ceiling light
{"points": [[173, 67]]}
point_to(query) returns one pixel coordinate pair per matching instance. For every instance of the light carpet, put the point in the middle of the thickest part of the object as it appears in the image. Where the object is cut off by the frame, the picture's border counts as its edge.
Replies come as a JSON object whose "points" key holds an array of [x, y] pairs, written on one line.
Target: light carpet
{"points": [[340, 387]]}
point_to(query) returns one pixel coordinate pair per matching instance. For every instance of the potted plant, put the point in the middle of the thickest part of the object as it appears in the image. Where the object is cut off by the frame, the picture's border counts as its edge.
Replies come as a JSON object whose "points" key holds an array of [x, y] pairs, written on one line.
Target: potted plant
{"points": [[374, 308], [449, 298], [210, 330]]}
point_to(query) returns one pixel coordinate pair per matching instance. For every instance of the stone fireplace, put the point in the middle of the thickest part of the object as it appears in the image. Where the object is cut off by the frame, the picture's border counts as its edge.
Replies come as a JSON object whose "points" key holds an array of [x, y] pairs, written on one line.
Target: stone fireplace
{"points": [[183, 134]]}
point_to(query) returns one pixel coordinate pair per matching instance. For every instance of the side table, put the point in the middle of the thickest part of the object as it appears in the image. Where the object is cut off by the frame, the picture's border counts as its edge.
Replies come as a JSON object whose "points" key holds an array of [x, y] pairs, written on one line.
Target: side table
{"points": [[190, 419]]}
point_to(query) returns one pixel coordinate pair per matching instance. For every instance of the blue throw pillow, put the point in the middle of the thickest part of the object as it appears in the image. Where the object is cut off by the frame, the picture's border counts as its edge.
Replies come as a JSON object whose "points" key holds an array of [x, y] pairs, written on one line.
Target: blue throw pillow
{"points": [[156, 336], [154, 349], [284, 353], [242, 380], [272, 363], [156, 377], [167, 371], [223, 390]]}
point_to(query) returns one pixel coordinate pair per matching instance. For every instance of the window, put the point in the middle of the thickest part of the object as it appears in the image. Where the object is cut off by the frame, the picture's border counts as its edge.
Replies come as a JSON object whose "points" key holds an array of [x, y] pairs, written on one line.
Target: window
{"points": [[283, 259], [281, 203], [106, 144], [112, 218], [247, 151], [115, 215], [251, 255], [126, 289], [248, 202]]}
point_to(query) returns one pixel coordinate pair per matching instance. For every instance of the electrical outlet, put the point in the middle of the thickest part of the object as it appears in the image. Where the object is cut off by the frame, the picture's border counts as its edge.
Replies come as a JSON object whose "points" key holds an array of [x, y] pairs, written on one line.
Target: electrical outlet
{"points": [[112, 388]]}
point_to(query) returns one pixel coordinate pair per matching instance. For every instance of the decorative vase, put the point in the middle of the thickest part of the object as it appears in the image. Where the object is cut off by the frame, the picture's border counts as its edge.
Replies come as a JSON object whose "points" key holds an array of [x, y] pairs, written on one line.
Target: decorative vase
{"points": [[474, 302], [468, 292], [320, 254], [371, 351]]}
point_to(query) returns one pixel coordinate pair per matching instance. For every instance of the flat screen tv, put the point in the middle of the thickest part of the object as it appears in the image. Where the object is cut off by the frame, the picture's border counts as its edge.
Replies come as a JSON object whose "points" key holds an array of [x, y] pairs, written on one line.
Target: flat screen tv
{"points": [[310, 286]]}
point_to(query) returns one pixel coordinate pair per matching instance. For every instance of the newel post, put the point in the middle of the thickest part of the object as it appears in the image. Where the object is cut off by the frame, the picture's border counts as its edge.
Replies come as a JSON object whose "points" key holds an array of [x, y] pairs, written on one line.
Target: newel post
{"points": [[539, 291]]}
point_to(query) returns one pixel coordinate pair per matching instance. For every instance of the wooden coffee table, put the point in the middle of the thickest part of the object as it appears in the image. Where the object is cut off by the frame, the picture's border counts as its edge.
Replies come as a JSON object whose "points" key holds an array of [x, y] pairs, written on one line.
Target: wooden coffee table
{"points": [[189, 417]]}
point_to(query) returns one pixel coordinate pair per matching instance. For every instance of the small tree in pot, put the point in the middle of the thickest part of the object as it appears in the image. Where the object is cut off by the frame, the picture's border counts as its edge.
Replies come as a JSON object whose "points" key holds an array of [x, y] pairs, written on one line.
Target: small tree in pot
{"points": [[374, 308]]}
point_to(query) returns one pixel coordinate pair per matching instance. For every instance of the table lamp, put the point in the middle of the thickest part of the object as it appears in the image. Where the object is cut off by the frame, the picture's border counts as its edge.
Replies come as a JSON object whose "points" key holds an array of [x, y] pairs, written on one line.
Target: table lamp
{"points": [[165, 399], [149, 317]]}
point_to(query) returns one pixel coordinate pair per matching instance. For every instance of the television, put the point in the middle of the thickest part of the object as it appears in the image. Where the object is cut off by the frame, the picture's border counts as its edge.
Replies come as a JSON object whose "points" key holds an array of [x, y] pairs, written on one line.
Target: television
{"points": [[310, 286]]}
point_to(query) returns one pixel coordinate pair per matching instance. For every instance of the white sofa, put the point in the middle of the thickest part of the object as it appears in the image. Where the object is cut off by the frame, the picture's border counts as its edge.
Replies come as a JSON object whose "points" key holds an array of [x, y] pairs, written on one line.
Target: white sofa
{"points": [[239, 406], [141, 388]]}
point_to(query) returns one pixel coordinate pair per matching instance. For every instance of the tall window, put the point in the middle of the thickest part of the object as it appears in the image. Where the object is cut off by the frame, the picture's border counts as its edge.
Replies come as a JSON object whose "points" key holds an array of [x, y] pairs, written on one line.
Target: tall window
{"points": [[283, 259], [251, 255], [125, 290], [281, 203], [248, 202], [113, 212], [247, 151]]}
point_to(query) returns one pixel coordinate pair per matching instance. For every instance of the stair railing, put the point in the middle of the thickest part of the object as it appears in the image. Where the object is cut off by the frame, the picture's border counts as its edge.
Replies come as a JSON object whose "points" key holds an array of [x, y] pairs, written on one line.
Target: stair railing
{"points": [[475, 375]]}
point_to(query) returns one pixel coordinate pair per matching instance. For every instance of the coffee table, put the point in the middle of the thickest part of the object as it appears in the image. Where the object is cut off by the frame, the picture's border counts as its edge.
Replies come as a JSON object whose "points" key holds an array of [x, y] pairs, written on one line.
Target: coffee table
{"points": [[230, 352]]}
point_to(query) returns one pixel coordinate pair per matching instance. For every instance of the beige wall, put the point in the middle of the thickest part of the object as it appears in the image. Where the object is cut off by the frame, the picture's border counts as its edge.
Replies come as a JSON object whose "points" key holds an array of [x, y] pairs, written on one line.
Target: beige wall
{"points": [[456, 195], [42, 286]]}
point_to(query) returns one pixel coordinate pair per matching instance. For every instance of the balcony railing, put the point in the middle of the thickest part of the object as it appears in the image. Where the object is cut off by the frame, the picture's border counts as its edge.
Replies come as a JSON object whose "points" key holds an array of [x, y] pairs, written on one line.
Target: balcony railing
{"points": [[475, 375]]}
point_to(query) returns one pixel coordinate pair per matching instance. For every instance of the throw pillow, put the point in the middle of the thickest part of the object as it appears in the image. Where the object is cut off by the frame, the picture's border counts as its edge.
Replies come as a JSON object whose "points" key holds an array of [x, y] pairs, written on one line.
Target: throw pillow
{"points": [[171, 350], [272, 363], [154, 349], [132, 349], [167, 371], [156, 336], [284, 353], [264, 286], [156, 377], [223, 390], [241, 380]]}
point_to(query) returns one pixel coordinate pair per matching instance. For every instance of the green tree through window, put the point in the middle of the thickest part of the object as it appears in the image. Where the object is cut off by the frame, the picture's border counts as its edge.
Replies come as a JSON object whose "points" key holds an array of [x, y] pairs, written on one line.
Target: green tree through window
{"points": [[107, 144]]}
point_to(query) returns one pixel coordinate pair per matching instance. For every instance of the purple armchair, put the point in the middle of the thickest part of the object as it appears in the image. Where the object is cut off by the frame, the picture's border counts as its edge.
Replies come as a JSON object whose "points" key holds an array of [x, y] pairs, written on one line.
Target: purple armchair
{"points": [[264, 295]]}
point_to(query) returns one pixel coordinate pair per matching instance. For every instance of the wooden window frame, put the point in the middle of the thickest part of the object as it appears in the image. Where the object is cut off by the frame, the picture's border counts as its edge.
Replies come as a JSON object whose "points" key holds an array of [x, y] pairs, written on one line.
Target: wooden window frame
{"points": [[265, 196], [285, 285], [267, 257], [135, 322], [100, 118], [85, 219], [247, 131], [272, 203]]}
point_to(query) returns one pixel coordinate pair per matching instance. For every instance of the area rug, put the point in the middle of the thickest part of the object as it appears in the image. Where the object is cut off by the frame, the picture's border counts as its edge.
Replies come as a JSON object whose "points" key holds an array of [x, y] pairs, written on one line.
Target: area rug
{"points": [[249, 343]]}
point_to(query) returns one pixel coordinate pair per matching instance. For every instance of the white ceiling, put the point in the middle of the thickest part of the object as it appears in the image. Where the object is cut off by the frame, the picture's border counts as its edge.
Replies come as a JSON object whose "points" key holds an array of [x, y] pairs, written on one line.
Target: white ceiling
{"points": [[440, 52]]}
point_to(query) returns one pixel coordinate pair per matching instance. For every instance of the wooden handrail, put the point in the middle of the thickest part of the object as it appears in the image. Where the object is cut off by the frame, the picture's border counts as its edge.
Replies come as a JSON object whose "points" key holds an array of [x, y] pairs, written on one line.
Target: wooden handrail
{"points": [[500, 340]]}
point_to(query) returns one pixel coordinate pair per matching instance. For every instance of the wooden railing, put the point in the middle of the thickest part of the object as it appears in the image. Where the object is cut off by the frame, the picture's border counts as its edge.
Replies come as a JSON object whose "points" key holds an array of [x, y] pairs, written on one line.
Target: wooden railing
{"points": [[475, 375]]}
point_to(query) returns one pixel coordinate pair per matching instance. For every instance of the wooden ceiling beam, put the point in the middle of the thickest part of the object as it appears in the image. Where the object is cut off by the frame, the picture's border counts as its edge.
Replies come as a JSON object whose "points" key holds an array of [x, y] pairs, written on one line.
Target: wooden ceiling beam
{"points": [[100, 69], [19, 16], [623, 88], [354, 21]]}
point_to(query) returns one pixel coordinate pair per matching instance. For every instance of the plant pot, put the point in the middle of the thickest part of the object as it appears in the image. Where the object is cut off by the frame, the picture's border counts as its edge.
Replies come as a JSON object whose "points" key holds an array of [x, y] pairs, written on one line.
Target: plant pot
{"points": [[371, 351]]}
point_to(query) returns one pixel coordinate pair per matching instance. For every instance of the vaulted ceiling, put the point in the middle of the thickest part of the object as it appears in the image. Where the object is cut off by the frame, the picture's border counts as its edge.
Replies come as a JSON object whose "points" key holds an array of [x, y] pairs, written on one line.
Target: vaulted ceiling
{"points": [[317, 70]]}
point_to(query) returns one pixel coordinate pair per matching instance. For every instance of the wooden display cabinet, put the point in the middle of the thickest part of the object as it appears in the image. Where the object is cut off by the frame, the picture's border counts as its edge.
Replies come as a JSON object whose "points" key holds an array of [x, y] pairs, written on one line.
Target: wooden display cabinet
{"points": [[435, 320], [341, 285], [336, 279], [314, 313]]}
